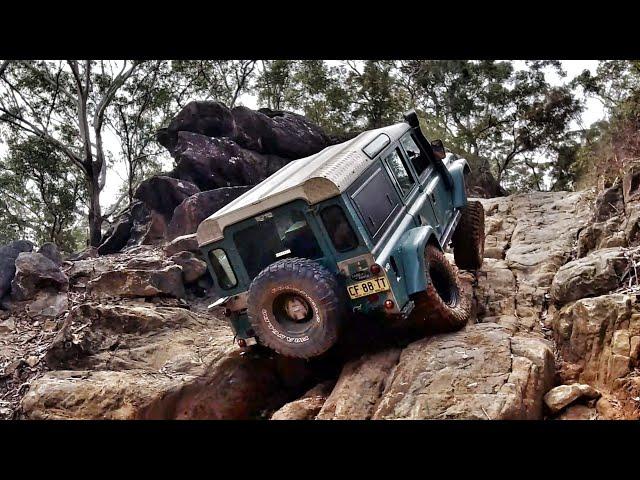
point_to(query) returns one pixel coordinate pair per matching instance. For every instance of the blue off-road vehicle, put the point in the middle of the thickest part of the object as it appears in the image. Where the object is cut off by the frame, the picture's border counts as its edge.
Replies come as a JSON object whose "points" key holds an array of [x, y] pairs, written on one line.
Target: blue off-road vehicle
{"points": [[361, 226]]}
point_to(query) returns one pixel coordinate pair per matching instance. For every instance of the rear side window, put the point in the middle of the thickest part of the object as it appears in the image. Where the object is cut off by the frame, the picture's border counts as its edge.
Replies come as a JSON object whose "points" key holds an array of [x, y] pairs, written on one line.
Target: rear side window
{"points": [[376, 200], [418, 159], [222, 268], [400, 171], [341, 234]]}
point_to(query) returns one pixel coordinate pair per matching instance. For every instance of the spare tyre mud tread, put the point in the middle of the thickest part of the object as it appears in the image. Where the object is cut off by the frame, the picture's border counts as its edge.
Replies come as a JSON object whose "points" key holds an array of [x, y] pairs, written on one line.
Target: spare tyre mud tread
{"points": [[323, 288]]}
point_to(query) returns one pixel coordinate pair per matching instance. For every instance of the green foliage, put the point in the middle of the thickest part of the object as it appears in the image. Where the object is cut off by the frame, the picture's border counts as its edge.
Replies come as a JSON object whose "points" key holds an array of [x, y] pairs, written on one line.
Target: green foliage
{"points": [[490, 111], [609, 148], [221, 80], [39, 195], [378, 100]]}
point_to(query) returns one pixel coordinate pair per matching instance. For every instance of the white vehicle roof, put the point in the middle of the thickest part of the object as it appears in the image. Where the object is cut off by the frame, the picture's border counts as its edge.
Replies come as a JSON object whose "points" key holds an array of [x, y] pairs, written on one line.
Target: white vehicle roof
{"points": [[319, 177]]}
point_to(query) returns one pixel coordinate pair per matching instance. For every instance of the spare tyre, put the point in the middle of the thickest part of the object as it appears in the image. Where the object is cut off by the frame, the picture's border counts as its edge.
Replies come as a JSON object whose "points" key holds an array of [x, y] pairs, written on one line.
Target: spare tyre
{"points": [[295, 307]]}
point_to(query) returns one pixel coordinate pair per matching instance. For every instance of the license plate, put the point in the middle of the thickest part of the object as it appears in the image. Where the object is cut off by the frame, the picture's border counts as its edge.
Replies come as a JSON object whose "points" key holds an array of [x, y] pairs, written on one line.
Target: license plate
{"points": [[368, 287]]}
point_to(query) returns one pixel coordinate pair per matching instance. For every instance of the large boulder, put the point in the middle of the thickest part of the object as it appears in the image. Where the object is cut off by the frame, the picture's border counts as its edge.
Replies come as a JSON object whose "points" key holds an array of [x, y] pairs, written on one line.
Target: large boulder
{"points": [[192, 267], [211, 162], [473, 374], [590, 276], [184, 243], [193, 210], [594, 338], [359, 386], [307, 406], [164, 194], [8, 255], [285, 134], [561, 396], [50, 250], [166, 281], [35, 272], [117, 237], [94, 395]]}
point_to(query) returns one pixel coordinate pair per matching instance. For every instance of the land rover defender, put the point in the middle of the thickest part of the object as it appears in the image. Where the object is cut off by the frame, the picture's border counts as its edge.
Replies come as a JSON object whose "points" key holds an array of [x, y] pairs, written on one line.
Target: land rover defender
{"points": [[361, 226]]}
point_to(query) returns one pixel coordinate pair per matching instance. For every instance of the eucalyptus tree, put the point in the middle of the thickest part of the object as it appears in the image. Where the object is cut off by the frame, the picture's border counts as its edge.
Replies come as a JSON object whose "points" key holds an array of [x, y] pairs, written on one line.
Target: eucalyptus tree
{"points": [[65, 105], [500, 116], [40, 195]]}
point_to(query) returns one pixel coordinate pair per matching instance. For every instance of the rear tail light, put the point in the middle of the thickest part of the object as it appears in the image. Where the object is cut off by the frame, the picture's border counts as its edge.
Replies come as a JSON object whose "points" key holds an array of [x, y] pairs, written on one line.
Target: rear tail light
{"points": [[388, 304], [375, 269], [242, 343]]}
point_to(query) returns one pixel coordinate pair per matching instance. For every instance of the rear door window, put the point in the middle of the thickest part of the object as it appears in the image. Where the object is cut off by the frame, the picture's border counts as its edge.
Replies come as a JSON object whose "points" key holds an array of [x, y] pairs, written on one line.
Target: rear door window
{"points": [[341, 234], [275, 235]]}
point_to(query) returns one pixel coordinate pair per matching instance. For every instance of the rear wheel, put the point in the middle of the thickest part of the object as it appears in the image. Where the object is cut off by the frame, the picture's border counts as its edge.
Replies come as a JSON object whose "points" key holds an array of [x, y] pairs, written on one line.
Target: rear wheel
{"points": [[468, 239], [443, 306], [294, 306]]}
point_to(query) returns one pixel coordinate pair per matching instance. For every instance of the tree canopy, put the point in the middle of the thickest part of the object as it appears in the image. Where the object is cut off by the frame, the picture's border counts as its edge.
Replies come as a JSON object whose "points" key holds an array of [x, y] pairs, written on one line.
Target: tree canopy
{"points": [[56, 115]]}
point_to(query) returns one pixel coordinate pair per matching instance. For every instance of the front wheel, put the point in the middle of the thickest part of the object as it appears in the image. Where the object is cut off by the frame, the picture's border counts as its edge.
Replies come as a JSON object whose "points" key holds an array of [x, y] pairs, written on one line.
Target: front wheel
{"points": [[443, 306]]}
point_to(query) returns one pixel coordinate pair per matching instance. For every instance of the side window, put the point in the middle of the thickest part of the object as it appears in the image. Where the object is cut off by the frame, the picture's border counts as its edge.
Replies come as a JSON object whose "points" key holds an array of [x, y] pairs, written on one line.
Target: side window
{"points": [[376, 200], [400, 171], [337, 225], [418, 159], [222, 268]]}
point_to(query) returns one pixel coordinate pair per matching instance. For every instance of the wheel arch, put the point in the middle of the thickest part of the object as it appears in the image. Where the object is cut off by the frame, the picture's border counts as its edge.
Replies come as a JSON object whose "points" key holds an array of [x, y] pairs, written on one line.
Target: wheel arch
{"points": [[410, 252], [459, 170]]}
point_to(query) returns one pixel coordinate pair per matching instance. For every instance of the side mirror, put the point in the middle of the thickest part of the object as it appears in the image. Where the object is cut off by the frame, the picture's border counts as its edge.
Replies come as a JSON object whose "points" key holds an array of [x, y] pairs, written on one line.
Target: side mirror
{"points": [[438, 149]]}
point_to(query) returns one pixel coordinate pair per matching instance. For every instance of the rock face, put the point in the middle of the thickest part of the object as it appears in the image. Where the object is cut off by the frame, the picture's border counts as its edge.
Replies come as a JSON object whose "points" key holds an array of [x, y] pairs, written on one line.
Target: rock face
{"points": [[219, 154], [8, 255], [597, 273], [164, 194], [264, 131], [193, 210], [534, 349], [138, 283], [150, 358], [35, 272]]}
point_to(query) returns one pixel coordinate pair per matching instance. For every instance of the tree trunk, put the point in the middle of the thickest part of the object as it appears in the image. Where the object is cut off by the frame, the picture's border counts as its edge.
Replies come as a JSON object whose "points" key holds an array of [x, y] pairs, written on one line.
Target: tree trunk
{"points": [[95, 213]]}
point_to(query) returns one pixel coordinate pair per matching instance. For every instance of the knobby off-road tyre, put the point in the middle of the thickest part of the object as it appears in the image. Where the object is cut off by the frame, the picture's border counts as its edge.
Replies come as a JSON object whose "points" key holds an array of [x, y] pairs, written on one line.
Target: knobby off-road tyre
{"points": [[443, 307], [295, 307], [468, 239]]}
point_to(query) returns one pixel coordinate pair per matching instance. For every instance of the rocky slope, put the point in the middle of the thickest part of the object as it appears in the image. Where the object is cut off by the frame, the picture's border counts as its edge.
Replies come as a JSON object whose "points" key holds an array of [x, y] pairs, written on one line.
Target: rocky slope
{"points": [[122, 331], [555, 335]]}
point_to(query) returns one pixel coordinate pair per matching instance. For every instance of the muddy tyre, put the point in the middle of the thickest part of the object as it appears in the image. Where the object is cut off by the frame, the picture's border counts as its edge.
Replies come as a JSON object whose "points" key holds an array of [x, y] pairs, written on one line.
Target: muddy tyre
{"points": [[468, 239], [444, 306], [295, 308]]}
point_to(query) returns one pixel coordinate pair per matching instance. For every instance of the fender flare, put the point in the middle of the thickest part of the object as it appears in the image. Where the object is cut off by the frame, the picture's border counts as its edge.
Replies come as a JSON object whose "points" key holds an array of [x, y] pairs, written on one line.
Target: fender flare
{"points": [[459, 169], [410, 253]]}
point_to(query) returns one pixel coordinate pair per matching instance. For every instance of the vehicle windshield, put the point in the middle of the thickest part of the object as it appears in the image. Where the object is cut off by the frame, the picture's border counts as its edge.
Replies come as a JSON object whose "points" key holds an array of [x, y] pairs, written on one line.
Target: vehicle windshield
{"points": [[274, 236]]}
